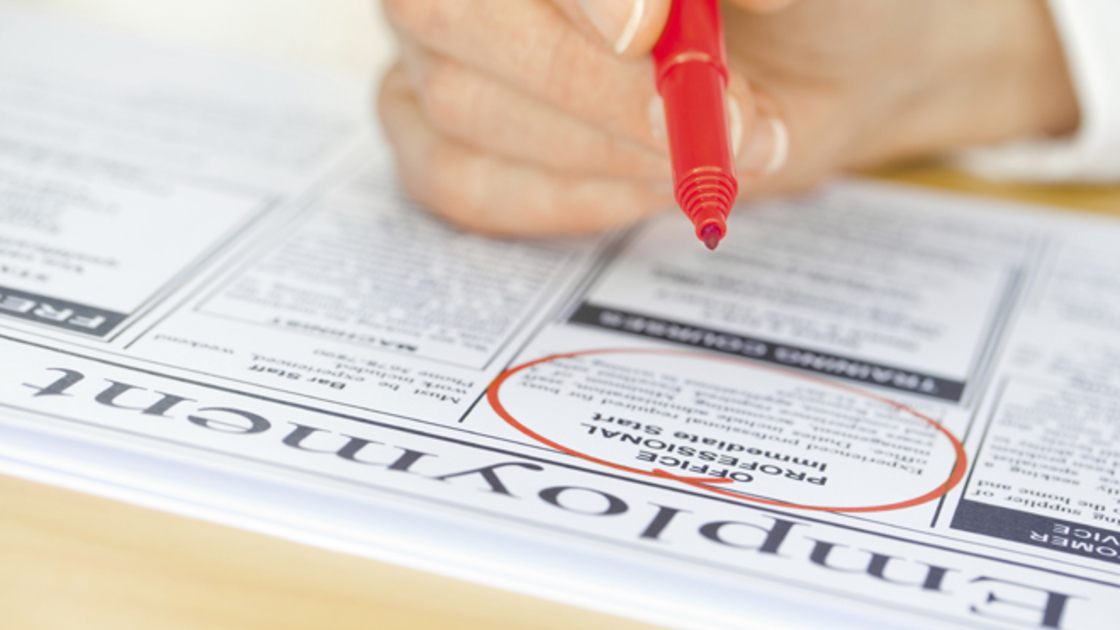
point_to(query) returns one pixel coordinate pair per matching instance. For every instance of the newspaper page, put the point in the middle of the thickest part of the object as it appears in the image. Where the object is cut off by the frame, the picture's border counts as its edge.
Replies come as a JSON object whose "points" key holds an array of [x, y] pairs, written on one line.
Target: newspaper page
{"points": [[873, 406]]}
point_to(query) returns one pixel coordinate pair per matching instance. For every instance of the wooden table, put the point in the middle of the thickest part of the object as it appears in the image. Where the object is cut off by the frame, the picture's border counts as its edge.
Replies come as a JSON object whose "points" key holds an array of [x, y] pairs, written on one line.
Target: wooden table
{"points": [[77, 562]]}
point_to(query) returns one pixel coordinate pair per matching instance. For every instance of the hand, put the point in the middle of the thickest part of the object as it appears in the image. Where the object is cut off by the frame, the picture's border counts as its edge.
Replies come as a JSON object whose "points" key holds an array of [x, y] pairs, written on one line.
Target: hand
{"points": [[540, 116]]}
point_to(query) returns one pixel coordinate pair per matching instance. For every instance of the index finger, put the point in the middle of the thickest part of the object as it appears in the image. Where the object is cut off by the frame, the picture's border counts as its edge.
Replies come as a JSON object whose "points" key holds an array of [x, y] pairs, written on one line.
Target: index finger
{"points": [[533, 46], [631, 28]]}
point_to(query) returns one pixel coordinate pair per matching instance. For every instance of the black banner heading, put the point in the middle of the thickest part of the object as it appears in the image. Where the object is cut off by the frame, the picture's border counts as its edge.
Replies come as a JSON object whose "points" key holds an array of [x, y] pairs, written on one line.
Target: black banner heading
{"points": [[1039, 531], [79, 318], [767, 351]]}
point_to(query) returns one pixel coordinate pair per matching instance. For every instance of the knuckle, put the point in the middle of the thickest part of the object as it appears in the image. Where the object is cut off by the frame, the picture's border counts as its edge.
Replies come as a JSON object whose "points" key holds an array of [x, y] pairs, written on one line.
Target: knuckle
{"points": [[449, 96], [456, 191], [574, 75], [561, 68], [391, 85], [423, 19]]}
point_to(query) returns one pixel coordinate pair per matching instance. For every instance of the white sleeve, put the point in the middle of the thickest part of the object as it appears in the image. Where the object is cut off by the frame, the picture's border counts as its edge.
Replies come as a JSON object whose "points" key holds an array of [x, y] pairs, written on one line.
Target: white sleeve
{"points": [[1090, 32]]}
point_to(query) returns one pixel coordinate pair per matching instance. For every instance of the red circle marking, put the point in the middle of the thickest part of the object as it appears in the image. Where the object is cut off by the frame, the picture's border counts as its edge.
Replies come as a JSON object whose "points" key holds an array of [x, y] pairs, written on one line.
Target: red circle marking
{"points": [[955, 476]]}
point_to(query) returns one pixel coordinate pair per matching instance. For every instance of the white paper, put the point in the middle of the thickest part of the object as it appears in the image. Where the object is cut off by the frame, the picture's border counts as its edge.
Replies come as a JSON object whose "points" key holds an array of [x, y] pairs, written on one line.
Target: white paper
{"points": [[873, 406]]}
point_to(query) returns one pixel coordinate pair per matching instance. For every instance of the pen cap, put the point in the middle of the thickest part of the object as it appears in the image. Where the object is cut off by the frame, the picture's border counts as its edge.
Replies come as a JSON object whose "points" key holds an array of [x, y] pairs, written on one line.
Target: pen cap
{"points": [[692, 79]]}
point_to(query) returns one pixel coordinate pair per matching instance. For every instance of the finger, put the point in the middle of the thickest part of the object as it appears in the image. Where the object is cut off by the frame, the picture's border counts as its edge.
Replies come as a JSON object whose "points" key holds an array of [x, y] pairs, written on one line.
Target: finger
{"points": [[760, 139], [764, 6], [628, 28], [765, 147], [759, 135], [781, 155], [631, 28], [491, 117], [490, 194], [532, 46]]}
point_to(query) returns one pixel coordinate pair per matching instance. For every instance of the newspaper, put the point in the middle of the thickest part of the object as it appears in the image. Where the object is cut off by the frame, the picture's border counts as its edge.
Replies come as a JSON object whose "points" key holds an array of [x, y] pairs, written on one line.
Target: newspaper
{"points": [[873, 406]]}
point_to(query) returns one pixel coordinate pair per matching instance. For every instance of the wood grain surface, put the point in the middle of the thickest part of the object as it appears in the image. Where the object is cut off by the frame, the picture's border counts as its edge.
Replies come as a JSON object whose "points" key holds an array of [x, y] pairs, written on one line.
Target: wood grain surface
{"points": [[71, 561], [1094, 199]]}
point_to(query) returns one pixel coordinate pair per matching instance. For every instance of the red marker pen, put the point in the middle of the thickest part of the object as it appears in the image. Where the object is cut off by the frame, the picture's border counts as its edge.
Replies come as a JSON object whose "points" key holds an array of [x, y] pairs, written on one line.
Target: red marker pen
{"points": [[692, 80]]}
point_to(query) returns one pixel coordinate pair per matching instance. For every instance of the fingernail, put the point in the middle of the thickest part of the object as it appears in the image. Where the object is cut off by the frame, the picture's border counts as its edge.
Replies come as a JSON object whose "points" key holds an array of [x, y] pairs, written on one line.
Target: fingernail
{"points": [[735, 123], [768, 148], [617, 20], [656, 112]]}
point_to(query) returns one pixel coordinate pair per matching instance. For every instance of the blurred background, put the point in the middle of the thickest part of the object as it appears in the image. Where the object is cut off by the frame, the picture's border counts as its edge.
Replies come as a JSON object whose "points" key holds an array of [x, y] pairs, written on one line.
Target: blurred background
{"points": [[352, 36], [348, 35]]}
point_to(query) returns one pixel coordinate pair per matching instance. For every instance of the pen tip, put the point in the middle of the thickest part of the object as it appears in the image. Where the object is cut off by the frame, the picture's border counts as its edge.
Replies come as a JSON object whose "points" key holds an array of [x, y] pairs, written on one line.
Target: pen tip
{"points": [[711, 235]]}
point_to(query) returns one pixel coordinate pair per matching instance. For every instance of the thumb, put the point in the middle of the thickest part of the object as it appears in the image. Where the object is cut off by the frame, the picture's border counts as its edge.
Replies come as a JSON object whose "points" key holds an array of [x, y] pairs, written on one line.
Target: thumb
{"points": [[630, 27], [764, 6]]}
